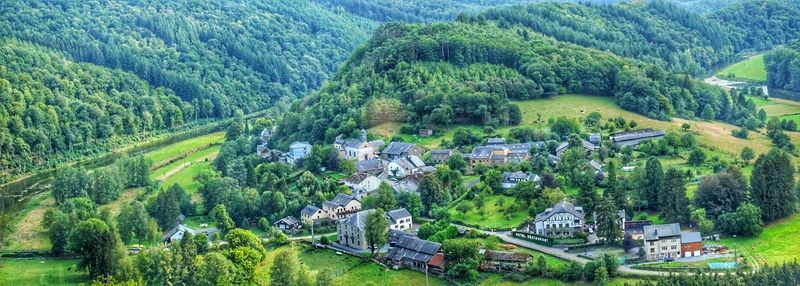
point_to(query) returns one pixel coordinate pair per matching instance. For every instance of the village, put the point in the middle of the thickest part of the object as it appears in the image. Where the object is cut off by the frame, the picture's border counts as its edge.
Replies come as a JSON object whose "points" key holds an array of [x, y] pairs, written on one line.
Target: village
{"points": [[562, 228]]}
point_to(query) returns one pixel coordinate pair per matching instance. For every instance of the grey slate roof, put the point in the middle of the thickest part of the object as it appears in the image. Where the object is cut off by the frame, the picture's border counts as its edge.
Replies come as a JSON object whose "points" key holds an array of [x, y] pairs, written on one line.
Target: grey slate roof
{"points": [[441, 151], [656, 232], [518, 175], [412, 248], [358, 220], [369, 165], [595, 165], [689, 237], [299, 144], [562, 207], [339, 200], [309, 210], [496, 141], [506, 256], [290, 220], [397, 148], [357, 178], [395, 215]]}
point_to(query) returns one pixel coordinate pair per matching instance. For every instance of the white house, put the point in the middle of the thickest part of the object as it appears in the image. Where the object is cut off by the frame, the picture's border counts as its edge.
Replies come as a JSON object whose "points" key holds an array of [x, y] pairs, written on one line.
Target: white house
{"points": [[362, 184], [341, 206], [407, 166], [299, 150], [311, 214], [511, 179], [662, 241], [399, 219], [358, 149], [562, 220]]}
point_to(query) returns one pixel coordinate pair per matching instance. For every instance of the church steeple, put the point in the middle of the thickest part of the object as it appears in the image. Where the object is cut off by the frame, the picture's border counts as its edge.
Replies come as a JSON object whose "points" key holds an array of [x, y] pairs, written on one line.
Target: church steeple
{"points": [[363, 135]]}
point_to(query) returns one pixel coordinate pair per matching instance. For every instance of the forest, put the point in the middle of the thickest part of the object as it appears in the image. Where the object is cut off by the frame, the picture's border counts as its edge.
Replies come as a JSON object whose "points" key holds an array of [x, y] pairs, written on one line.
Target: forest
{"points": [[660, 32], [783, 67], [467, 71]]}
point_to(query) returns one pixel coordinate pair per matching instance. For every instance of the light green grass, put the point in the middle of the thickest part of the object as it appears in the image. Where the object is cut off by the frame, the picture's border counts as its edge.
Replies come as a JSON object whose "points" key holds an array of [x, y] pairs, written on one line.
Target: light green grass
{"points": [[777, 244], [751, 70], [182, 147], [795, 117], [41, 272], [493, 216], [185, 177], [210, 153]]}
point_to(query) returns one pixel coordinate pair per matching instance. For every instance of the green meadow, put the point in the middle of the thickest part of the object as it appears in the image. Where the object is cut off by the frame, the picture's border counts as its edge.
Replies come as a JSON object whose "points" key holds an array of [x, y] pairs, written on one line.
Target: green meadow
{"points": [[751, 69]]}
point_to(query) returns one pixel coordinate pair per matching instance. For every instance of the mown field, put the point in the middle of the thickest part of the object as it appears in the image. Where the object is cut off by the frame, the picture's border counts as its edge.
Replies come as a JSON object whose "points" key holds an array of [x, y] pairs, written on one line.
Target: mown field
{"points": [[777, 244], [492, 214], [751, 69], [190, 157], [41, 272]]}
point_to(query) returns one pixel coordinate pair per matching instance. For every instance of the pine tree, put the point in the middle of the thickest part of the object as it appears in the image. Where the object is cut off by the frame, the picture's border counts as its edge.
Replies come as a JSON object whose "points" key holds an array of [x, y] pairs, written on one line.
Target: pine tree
{"points": [[673, 200], [653, 182], [613, 189], [772, 185], [607, 220]]}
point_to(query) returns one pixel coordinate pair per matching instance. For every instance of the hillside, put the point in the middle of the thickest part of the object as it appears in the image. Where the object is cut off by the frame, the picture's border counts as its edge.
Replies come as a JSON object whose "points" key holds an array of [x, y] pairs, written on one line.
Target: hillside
{"points": [[53, 110], [783, 68], [659, 32], [466, 72]]}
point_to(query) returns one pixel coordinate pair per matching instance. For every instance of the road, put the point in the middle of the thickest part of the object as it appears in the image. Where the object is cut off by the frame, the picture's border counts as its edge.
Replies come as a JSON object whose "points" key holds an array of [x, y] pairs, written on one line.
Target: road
{"points": [[504, 236]]}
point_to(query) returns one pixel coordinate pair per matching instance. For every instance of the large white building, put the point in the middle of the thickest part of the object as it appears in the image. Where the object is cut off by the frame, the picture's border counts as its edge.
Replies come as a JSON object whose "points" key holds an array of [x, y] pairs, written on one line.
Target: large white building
{"points": [[562, 220], [399, 219], [362, 184], [358, 149], [662, 241]]}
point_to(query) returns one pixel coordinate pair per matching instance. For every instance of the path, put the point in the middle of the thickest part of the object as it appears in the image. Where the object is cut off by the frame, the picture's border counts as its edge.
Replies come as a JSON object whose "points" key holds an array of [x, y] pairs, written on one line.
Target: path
{"points": [[504, 236], [309, 236]]}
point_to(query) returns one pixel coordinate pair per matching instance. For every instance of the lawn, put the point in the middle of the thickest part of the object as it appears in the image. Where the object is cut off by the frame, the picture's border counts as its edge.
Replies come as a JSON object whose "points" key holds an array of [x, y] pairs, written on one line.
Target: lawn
{"points": [[777, 106], [348, 270], [200, 155], [41, 272], [777, 244], [493, 215], [795, 117], [177, 149], [751, 69], [185, 177]]}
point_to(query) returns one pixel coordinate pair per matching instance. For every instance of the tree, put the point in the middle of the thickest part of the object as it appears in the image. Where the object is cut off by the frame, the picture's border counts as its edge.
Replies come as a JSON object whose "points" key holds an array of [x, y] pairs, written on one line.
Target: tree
{"points": [[244, 238], [600, 274], [747, 155], [745, 221], [653, 182], [220, 215], [375, 230], [772, 185], [573, 272], [58, 226], [493, 179], [465, 207], [431, 192], [95, 242], [587, 195], [697, 157], [214, 269], [133, 223], [70, 183], [722, 192], [384, 197], [607, 221], [628, 243], [685, 126], [673, 200], [284, 268], [563, 126], [456, 162], [411, 202], [700, 219]]}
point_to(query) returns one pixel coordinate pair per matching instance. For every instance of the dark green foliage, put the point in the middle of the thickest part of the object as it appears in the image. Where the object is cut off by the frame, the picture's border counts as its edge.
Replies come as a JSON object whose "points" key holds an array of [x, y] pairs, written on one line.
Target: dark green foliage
{"points": [[432, 192], [168, 205], [463, 259], [134, 224], [760, 25], [70, 183], [745, 221], [773, 186], [672, 199], [220, 215], [607, 221], [722, 192], [96, 242], [697, 157], [653, 183]]}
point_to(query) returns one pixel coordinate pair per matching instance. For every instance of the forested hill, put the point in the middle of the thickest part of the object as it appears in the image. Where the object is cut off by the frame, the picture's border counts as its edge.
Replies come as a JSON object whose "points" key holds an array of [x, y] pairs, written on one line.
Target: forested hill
{"points": [[52, 109], [222, 54], [465, 72], [661, 32], [783, 68]]}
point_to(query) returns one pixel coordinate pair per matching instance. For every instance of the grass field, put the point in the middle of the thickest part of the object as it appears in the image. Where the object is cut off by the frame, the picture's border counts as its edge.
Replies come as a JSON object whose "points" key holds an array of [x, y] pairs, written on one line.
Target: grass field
{"points": [[493, 216], [751, 70], [177, 149], [694, 264], [41, 272], [777, 244]]}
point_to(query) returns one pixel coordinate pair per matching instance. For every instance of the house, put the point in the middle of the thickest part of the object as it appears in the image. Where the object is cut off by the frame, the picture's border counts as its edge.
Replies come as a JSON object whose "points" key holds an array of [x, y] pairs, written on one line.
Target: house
{"points": [[397, 150], [440, 155], [287, 224], [395, 235], [350, 230], [407, 166], [691, 244], [358, 149], [371, 166], [562, 220], [519, 152], [511, 179], [635, 228], [176, 233], [598, 169], [416, 254], [311, 214], [265, 135], [407, 184], [362, 184], [299, 150], [399, 219], [341, 206], [425, 132], [587, 146], [595, 138], [503, 261], [662, 241], [494, 155], [633, 138], [496, 141]]}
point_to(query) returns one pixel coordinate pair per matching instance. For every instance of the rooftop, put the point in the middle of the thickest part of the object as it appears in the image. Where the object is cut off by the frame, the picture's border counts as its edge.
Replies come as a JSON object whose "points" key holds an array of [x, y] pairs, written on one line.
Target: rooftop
{"points": [[506, 256], [398, 214], [397, 148], [689, 237], [309, 210], [656, 232], [562, 207]]}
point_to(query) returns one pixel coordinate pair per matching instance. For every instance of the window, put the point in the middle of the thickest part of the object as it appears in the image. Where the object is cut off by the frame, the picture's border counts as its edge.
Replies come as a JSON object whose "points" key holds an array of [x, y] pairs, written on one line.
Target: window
{"points": [[652, 250], [674, 247], [652, 243], [663, 248]]}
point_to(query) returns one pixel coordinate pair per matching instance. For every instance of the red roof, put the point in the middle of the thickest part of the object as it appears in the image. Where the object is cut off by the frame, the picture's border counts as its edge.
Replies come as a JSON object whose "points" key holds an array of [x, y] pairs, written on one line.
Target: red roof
{"points": [[437, 260]]}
